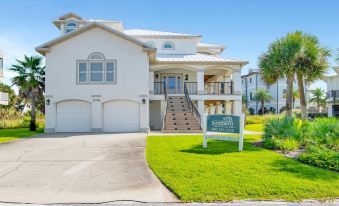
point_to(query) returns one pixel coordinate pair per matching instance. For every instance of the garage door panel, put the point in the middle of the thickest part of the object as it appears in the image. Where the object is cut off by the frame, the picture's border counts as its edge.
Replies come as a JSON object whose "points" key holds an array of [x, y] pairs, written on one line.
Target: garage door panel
{"points": [[74, 116], [121, 116]]}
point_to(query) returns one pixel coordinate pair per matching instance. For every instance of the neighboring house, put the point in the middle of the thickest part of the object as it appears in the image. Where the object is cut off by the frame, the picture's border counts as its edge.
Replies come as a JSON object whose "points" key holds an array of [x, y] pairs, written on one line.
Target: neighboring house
{"points": [[3, 96], [332, 97], [252, 81], [101, 77]]}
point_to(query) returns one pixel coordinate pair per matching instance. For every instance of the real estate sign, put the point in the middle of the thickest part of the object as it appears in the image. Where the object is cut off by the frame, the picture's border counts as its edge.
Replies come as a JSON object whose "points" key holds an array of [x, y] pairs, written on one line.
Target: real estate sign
{"points": [[224, 124]]}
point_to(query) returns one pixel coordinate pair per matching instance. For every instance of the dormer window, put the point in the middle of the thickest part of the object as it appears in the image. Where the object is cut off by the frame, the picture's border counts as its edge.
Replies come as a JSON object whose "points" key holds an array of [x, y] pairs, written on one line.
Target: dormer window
{"points": [[71, 26], [168, 45]]}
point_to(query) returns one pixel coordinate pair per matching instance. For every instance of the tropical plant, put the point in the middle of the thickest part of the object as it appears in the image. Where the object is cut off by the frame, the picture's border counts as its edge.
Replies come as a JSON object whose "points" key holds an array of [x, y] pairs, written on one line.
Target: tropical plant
{"points": [[278, 63], [318, 97], [311, 64], [295, 96], [298, 54], [262, 96], [30, 78]]}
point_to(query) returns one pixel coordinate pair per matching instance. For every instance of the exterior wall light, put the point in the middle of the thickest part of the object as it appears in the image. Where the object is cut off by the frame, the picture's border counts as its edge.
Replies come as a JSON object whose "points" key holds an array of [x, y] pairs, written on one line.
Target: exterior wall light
{"points": [[186, 77], [143, 101], [48, 101], [156, 76]]}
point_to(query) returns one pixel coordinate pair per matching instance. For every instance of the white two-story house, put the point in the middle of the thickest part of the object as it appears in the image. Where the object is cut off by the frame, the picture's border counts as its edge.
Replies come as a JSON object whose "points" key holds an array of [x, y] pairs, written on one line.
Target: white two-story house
{"points": [[252, 81], [332, 96], [3, 95], [101, 77]]}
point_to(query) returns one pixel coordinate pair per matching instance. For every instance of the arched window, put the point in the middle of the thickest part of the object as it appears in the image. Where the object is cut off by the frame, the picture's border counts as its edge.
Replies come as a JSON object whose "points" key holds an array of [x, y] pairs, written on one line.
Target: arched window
{"points": [[168, 45], [96, 69], [152, 44], [71, 26]]}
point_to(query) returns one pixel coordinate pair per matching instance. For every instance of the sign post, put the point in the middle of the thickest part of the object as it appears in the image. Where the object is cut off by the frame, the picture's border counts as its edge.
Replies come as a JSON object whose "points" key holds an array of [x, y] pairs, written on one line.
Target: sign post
{"points": [[221, 123]]}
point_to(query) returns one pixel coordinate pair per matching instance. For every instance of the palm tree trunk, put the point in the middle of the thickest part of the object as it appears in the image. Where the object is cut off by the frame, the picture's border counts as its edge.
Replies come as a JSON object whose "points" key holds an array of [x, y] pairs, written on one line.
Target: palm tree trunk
{"points": [[302, 95], [262, 107], [289, 95], [32, 126], [318, 107]]}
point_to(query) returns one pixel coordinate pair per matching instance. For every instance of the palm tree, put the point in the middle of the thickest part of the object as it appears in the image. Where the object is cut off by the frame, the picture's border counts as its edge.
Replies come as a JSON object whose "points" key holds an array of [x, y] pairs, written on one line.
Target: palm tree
{"points": [[278, 63], [295, 96], [262, 96], [299, 55], [318, 96], [30, 78], [311, 64]]}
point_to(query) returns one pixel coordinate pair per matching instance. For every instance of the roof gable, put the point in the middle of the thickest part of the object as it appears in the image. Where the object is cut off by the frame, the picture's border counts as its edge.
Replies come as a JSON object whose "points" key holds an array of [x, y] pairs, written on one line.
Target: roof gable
{"points": [[44, 48]]}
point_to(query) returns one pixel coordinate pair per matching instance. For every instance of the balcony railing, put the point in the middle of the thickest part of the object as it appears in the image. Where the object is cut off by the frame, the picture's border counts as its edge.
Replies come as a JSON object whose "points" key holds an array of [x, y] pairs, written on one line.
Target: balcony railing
{"points": [[211, 87], [216, 88], [332, 94]]}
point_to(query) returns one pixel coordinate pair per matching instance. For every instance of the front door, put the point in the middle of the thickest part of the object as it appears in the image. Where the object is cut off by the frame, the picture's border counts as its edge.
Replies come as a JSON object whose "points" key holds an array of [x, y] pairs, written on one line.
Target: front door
{"points": [[173, 83]]}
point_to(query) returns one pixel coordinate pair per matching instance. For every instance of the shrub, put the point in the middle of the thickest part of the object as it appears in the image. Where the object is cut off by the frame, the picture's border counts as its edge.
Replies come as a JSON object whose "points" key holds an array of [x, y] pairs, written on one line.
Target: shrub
{"points": [[284, 145], [321, 157], [281, 129], [324, 132]]}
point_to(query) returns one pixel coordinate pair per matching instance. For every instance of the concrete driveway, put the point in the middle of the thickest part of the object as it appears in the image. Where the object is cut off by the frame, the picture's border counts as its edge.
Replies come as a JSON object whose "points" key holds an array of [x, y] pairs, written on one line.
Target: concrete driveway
{"points": [[84, 168]]}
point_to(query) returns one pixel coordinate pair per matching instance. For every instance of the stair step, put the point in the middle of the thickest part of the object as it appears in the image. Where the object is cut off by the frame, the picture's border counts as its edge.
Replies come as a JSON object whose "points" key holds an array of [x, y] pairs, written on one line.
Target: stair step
{"points": [[181, 131], [181, 122], [181, 127]]}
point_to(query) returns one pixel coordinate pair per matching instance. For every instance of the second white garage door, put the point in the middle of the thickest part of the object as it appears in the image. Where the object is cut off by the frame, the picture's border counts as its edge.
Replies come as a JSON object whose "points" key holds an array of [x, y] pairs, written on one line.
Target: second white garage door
{"points": [[121, 116]]}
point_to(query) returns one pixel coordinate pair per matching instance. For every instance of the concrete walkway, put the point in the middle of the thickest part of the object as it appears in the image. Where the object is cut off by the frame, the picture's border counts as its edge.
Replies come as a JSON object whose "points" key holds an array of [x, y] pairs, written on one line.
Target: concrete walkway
{"points": [[84, 168]]}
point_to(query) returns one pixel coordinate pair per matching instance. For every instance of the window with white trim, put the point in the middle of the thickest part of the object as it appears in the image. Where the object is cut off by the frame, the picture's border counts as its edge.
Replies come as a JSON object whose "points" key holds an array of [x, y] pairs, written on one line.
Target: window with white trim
{"points": [[70, 26], [96, 69], [168, 45]]}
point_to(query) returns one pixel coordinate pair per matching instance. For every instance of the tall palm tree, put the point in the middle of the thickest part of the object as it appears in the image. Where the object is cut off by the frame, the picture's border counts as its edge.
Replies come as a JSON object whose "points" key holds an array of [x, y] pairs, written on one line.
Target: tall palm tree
{"points": [[278, 63], [30, 78], [262, 96], [299, 55], [311, 64], [295, 96], [318, 96]]}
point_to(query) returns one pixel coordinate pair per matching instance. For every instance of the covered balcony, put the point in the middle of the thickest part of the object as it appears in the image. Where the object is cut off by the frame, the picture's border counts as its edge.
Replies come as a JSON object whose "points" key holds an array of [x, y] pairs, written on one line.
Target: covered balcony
{"points": [[213, 81]]}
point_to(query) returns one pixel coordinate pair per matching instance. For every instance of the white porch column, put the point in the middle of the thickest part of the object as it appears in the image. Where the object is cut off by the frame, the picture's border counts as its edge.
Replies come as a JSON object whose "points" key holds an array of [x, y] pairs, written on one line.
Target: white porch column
{"points": [[218, 108], [329, 109], [201, 106], [151, 82], [236, 78], [228, 107], [200, 81], [237, 107], [96, 113], [211, 109]]}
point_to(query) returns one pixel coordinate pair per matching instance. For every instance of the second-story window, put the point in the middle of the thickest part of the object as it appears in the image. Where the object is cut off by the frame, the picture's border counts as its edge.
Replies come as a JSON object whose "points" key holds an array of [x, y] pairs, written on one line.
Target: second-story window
{"points": [[168, 45], [96, 69], [70, 26], [250, 80]]}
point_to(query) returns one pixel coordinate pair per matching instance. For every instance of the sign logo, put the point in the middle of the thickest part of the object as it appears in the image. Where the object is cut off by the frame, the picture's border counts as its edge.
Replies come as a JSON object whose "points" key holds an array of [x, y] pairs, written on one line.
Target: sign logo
{"points": [[223, 123]]}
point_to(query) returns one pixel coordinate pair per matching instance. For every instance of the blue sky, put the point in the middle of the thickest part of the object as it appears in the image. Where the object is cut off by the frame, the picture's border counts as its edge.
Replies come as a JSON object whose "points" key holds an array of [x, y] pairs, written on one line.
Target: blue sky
{"points": [[245, 27]]}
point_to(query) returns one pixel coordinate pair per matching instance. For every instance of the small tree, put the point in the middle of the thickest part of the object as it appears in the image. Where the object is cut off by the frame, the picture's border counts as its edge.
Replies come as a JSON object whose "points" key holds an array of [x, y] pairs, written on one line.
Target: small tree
{"points": [[295, 96], [262, 96], [318, 97], [30, 78]]}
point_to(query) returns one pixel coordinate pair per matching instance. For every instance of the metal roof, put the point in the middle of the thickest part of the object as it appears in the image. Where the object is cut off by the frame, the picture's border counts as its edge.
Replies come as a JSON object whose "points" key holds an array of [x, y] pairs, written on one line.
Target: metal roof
{"points": [[143, 32], [198, 58]]}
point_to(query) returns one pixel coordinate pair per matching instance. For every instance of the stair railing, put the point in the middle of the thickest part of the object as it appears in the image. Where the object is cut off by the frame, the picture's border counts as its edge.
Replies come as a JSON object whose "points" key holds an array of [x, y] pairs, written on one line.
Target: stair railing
{"points": [[191, 105], [164, 118]]}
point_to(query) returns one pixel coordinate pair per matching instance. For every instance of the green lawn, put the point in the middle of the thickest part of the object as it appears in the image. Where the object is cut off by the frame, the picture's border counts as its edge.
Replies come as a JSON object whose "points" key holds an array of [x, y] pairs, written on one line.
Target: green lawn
{"points": [[255, 127], [221, 173], [7, 135]]}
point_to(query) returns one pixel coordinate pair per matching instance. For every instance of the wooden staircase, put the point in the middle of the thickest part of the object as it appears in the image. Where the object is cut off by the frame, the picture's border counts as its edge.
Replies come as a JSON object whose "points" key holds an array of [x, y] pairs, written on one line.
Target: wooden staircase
{"points": [[179, 117]]}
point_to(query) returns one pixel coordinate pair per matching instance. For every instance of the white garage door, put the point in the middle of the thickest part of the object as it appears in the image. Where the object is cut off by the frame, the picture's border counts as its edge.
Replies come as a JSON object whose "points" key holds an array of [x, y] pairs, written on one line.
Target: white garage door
{"points": [[73, 116], [121, 116]]}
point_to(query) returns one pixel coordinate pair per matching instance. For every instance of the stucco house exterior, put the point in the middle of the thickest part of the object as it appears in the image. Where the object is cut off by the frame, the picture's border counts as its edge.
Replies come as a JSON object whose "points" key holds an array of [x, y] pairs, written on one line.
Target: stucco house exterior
{"points": [[252, 81], [101, 77], [3, 95], [332, 96]]}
